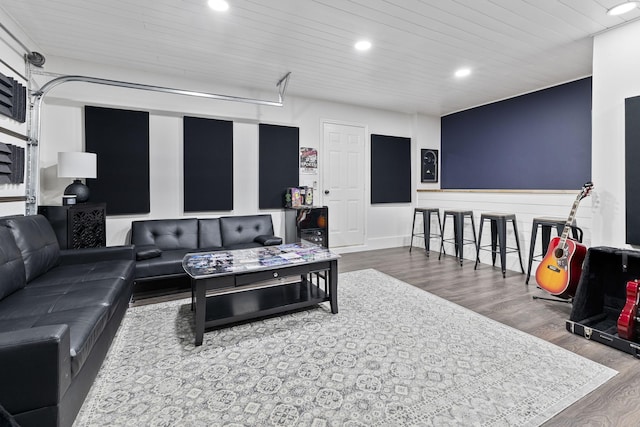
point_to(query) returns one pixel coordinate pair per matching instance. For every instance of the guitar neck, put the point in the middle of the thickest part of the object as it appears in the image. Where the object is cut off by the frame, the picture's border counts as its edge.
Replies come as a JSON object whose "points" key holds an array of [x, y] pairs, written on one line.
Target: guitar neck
{"points": [[569, 223]]}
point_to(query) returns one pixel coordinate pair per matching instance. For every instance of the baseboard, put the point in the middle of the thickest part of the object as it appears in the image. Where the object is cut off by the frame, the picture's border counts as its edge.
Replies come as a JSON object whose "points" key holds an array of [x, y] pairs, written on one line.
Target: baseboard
{"points": [[373, 244]]}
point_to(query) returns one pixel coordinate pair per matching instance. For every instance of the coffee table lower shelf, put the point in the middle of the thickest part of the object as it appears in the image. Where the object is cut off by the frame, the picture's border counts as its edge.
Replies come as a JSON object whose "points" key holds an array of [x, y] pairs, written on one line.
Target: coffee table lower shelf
{"points": [[239, 306], [232, 305]]}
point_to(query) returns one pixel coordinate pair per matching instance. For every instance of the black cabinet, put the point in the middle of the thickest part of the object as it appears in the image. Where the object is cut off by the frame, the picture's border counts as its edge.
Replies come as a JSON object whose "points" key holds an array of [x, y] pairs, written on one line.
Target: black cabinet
{"points": [[78, 226], [310, 223]]}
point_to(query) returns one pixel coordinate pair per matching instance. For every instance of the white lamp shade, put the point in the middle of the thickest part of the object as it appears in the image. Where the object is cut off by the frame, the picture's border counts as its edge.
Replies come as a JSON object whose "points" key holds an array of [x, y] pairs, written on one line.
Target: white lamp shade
{"points": [[77, 165]]}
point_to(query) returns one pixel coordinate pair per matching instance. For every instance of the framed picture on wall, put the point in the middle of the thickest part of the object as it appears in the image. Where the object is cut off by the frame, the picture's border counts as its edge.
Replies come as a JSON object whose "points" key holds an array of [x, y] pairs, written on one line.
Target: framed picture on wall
{"points": [[429, 165]]}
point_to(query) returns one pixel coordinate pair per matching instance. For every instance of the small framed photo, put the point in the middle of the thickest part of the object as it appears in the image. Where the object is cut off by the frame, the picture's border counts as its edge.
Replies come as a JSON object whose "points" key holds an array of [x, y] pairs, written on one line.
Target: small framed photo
{"points": [[429, 165]]}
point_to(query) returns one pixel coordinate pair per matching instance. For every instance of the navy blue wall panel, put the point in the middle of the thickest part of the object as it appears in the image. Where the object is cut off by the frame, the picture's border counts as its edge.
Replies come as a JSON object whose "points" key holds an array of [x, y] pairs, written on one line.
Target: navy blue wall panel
{"points": [[540, 140]]}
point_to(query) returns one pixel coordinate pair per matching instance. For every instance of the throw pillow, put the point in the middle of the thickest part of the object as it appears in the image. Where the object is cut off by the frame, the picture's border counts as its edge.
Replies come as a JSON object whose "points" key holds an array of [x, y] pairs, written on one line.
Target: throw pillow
{"points": [[268, 240]]}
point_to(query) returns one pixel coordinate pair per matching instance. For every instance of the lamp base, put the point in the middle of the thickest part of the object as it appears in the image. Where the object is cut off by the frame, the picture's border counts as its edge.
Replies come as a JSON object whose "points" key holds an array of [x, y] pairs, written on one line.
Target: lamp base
{"points": [[78, 189]]}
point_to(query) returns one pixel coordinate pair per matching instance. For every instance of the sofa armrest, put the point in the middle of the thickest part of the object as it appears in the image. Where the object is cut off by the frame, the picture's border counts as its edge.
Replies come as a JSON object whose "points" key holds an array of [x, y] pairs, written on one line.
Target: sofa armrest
{"points": [[109, 253], [35, 367], [147, 252]]}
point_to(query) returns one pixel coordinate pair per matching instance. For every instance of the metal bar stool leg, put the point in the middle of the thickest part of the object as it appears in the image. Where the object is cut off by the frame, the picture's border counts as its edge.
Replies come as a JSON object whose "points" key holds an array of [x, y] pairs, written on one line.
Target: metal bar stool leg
{"points": [[534, 233], [501, 226], [495, 230], [426, 227], [515, 231], [473, 229], [444, 222], [413, 227], [440, 227], [478, 245], [546, 237], [458, 231]]}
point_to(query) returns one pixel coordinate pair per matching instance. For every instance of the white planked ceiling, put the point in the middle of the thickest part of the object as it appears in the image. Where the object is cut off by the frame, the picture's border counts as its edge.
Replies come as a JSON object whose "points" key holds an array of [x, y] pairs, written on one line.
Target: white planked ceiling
{"points": [[512, 46]]}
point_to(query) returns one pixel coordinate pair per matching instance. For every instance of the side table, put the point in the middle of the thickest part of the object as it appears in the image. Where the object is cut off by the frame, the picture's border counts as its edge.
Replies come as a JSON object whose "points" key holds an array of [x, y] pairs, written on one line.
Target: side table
{"points": [[78, 226]]}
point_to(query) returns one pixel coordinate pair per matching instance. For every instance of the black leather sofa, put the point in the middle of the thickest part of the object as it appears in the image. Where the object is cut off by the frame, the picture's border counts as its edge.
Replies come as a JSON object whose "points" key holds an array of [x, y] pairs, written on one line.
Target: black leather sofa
{"points": [[160, 244], [59, 311]]}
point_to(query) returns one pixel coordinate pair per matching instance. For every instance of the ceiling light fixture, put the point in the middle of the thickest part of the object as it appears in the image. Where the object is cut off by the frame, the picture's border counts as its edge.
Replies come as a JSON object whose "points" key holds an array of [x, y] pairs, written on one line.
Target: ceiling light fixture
{"points": [[218, 5], [462, 72], [622, 8], [363, 45]]}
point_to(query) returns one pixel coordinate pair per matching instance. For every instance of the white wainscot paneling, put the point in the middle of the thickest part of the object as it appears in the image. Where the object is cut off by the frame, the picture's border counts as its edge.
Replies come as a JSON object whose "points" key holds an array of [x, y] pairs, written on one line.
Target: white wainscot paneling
{"points": [[525, 206]]}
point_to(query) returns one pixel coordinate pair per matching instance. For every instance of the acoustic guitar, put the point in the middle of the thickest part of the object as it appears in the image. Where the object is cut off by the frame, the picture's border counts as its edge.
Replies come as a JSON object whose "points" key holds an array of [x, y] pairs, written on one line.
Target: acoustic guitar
{"points": [[628, 315], [559, 270]]}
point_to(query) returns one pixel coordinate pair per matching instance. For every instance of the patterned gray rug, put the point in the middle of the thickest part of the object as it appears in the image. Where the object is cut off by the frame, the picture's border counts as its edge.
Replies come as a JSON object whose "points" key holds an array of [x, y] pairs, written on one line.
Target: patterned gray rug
{"points": [[394, 356]]}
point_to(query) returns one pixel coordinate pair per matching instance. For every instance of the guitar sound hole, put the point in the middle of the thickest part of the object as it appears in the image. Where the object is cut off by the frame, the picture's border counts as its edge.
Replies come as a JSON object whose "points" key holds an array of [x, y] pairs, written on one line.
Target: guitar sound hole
{"points": [[558, 252]]}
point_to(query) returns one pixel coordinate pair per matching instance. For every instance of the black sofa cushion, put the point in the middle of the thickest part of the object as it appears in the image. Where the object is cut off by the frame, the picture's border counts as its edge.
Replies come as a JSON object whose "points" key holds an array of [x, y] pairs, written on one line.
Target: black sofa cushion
{"points": [[86, 272], [85, 302], [12, 274], [209, 233], [169, 263], [85, 323], [104, 281], [166, 234], [243, 229], [37, 242]]}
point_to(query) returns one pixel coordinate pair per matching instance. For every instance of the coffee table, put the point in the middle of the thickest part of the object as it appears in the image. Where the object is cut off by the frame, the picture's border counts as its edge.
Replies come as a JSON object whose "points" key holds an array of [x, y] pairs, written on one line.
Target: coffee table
{"points": [[233, 286]]}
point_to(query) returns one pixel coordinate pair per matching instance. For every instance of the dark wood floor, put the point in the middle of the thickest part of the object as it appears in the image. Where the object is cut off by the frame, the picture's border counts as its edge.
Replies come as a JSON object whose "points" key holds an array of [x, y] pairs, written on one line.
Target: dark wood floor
{"points": [[509, 300]]}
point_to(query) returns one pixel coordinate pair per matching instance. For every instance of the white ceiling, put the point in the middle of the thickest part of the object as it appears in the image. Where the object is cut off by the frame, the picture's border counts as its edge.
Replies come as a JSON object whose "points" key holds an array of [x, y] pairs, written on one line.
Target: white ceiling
{"points": [[513, 46]]}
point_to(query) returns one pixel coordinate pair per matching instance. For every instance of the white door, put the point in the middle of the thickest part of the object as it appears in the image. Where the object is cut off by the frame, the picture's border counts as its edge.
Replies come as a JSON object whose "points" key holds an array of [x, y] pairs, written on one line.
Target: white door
{"points": [[343, 183]]}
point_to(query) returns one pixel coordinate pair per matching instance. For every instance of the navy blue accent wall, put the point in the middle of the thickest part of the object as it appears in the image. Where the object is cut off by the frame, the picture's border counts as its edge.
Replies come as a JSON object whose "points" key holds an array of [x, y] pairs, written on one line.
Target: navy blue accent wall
{"points": [[540, 140], [632, 171]]}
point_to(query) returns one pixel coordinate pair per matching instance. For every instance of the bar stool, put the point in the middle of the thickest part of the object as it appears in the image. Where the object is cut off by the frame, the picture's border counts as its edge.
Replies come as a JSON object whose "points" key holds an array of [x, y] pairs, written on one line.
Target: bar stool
{"points": [[547, 224], [458, 239], [499, 238], [426, 226]]}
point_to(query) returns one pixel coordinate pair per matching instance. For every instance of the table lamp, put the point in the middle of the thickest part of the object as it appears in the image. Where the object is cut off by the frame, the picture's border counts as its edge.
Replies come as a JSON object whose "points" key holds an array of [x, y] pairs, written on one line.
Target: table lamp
{"points": [[77, 165]]}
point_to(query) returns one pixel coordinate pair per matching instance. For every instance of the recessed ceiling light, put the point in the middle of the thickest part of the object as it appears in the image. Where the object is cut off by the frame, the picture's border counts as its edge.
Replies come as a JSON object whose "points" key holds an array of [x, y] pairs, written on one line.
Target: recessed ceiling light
{"points": [[462, 72], [218, 5], [622, 8], [363, 45]]}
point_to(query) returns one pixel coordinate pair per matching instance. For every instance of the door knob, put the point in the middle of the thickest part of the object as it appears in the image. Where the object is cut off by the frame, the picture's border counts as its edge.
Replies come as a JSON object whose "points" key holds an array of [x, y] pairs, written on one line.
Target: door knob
{"points": [[326, 191]]}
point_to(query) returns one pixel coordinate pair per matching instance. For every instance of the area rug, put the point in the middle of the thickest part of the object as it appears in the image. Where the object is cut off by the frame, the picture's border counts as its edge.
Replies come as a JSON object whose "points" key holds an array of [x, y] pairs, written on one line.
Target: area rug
{"points": [[394, 355]]}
